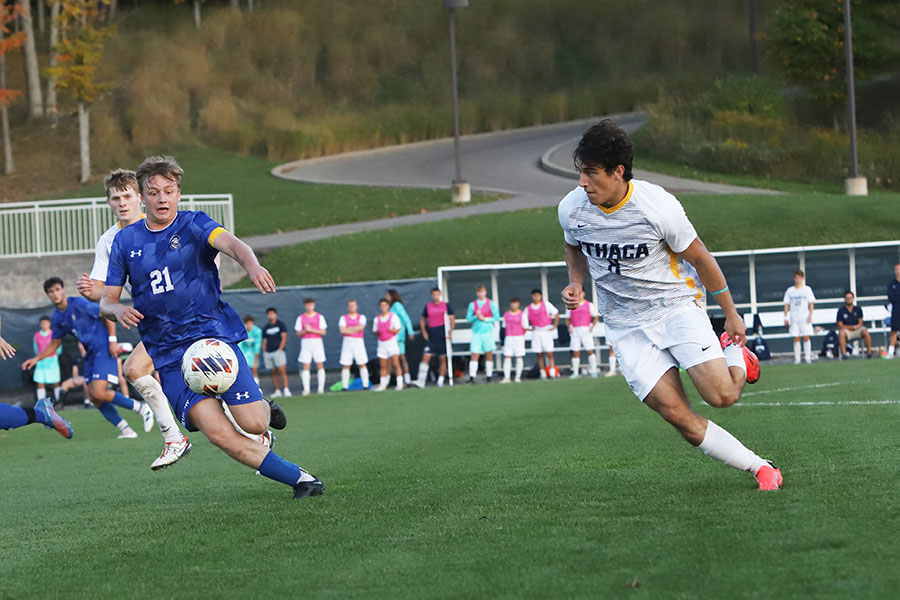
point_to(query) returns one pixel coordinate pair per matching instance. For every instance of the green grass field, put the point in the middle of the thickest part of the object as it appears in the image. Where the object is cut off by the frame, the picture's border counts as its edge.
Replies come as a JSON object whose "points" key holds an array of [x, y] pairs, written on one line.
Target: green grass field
{"points": [[539, 490], [266, 204], [723, 222]]}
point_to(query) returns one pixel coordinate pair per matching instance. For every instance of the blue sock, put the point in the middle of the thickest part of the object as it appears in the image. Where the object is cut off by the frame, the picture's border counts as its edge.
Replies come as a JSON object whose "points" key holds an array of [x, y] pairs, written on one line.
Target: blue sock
{"points": [[275, 467], [110, 413], [12, 417], [127, 403]]}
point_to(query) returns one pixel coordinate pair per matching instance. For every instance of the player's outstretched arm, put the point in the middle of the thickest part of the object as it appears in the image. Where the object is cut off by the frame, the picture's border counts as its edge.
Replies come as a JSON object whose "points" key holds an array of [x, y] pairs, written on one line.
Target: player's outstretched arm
{"points": [[49, 351], [6, 350], [713, 280], [577, 266], [114, 310], [229, 244]]}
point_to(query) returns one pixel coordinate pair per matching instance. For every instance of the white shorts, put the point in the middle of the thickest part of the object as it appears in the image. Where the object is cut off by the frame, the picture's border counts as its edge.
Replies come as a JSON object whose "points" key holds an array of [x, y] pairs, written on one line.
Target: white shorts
{"points": [[514, 345], [582, 338], [274, 359], [684, 338], [800, 328], [354, 350], [542, 340], [388, 348], [311, 350]]}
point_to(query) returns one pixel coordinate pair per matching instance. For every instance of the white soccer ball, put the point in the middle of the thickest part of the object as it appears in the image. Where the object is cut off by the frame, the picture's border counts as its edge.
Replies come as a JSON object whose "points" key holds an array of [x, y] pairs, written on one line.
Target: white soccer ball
{"points": [[209, 367]]}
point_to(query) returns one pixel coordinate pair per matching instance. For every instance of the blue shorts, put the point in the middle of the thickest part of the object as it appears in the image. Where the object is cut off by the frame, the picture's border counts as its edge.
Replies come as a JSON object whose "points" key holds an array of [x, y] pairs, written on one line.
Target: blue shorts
{"points": [[482, 342], [244, 390], [895, 318], [100, 365], [437, 342]]}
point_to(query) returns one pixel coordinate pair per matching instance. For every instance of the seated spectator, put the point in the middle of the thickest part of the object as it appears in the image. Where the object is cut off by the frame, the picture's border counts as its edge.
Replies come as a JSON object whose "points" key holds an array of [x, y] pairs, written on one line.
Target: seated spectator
{"points": [[850, 325]]}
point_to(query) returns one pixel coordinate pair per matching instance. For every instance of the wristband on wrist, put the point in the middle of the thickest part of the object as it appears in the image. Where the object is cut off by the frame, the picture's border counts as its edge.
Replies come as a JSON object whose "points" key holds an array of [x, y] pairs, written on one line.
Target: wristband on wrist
{"points": [[113, 338], [723, 290]]}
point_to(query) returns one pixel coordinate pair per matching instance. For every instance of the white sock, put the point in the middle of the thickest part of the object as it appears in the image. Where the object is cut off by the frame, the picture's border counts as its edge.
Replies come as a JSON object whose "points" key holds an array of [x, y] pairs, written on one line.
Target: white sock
{"points": [[400, 382], [321, 374], [364, 375], [507, 366], [543, 373], [473, 368], [152, 393], [123, 426], [39, 393], [57, 390], [423, 372], [520, 366], [251, 436], [576, 365], [304, 379], [407, 378], [304, 476], [890, 351], [723, 446], [734, 357], [796, 351], [807, 350], [612, 363], [592, 363], [440, 380], [489, 368], [345, 377]]}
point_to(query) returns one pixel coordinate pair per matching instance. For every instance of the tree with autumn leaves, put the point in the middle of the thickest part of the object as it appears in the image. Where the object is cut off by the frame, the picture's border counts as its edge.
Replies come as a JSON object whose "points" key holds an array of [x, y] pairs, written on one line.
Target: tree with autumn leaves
{"points": [[8, 41], [78, 54]]}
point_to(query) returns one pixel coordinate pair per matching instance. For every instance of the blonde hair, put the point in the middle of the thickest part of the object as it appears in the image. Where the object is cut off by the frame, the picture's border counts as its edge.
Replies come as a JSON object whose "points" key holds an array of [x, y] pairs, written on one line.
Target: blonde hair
{"points": [[120, 180], [164, 166]]}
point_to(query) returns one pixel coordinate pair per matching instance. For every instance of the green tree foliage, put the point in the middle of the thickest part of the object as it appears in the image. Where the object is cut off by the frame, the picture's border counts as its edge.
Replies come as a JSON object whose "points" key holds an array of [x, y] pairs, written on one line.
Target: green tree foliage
{"points": [[807, 44]]}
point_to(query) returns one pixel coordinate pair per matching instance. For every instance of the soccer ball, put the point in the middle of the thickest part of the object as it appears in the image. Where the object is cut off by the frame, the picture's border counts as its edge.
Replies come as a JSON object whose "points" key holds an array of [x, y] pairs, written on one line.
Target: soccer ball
{"points": [[209, 367]]}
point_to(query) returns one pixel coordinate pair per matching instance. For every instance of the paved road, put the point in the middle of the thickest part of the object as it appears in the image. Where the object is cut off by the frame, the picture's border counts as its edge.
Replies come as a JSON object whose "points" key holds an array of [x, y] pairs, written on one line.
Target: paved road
{"points": [[533, 166]]}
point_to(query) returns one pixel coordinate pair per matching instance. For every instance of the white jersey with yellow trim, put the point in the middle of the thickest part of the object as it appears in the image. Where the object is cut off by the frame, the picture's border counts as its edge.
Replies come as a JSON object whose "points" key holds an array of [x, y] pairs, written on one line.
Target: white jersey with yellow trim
{"points": [[631, 251], [101, 252]]}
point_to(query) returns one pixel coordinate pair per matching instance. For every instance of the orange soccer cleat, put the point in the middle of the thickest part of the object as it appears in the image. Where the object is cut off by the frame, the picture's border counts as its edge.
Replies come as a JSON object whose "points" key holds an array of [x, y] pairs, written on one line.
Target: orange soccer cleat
{"points": [[769, 477], [751, 362]]}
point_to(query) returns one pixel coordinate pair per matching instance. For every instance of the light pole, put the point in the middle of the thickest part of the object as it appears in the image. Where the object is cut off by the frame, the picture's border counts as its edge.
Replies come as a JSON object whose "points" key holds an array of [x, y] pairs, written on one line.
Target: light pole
{"points": [[853, 185], [460, 191]]}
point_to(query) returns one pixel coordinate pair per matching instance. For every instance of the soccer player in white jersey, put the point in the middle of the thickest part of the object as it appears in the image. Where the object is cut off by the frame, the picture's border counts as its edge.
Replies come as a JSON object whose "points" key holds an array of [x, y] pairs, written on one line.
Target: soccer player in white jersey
{"points": [[353, 349], [310, 327], [634, 237], [124, 199], [581, 322], [799, 302]]}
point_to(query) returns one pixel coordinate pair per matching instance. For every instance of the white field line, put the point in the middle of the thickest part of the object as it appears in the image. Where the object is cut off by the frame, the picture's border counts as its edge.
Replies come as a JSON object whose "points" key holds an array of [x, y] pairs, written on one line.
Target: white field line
{"points": [[794, 389], [821, 403]]}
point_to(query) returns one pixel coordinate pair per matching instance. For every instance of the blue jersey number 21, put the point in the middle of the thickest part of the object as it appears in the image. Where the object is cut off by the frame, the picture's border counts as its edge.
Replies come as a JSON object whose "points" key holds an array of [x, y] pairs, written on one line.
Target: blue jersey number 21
{"points": [[160, 282]]}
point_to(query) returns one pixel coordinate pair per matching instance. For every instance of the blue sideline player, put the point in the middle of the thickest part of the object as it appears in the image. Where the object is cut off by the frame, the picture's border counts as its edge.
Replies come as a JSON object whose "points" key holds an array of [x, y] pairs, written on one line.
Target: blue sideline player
{"points": [[81, 318], [13, 417], [169, 259]]}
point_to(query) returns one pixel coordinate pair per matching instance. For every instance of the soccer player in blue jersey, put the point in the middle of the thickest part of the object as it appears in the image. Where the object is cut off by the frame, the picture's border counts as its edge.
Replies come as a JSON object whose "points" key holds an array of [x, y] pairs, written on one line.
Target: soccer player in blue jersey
{"points": [[169, 259], [13, 417], [81, 318]]}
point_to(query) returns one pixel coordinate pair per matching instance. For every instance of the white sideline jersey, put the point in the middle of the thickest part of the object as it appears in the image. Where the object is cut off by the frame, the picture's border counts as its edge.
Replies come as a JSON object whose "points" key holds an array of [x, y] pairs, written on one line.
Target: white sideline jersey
{"points": [[798, 300], [101, 252], [631, 251]]}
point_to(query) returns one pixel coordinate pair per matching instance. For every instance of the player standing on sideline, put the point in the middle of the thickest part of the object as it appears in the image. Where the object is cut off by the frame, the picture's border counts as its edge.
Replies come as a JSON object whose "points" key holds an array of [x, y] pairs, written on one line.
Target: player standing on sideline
{"points": [[169, 259], [434, 316], [13, 417], [516, 322], [543, 318], [406, 328], [310, 327], [124, 199], [893, 294], [353, 348], [799, 302], [482, 314], [274, 358], [633, 236], [386, 326], [252, 345], [81, 318], [581, 322], [46, 372]]}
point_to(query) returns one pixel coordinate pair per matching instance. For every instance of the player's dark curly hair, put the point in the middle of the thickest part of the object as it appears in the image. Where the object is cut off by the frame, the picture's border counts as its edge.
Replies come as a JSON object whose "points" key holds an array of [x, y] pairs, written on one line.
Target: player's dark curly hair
{"points": [[605, 145], [51, 282]]}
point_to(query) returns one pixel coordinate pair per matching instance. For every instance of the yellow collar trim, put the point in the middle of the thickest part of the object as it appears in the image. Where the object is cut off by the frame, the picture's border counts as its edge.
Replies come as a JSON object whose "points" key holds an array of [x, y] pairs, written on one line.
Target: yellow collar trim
{"points": [[623, 202], [119, 223]]}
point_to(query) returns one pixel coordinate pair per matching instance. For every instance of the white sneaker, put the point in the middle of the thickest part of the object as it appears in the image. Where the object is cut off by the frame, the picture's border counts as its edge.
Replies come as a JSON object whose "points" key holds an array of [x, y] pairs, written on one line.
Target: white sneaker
{"points": [[287, 392], [440, 383], [147, 414], [305, 393], [504, 380], [171, 453], [321, 390], [128, 434], [276, 394], [518, 380], [609, 374]]}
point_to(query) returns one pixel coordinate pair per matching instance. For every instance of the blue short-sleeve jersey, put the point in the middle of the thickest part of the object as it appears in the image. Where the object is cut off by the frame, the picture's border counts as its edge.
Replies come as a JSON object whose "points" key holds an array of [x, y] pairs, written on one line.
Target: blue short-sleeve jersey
{"points": [[849, 316], [174, 284], [82, 319]]}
